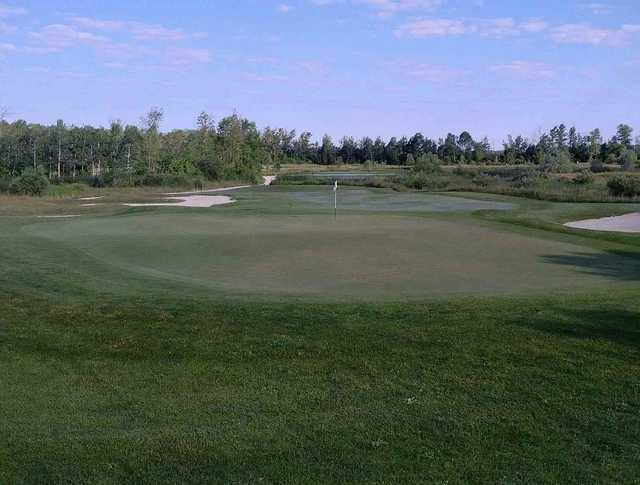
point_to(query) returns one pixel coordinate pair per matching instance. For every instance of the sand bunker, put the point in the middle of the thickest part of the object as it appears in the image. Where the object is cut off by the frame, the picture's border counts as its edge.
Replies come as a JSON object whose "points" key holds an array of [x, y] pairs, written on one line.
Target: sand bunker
{"points": [[268, 180], [190, 201], [629, 223], [223, 189]]}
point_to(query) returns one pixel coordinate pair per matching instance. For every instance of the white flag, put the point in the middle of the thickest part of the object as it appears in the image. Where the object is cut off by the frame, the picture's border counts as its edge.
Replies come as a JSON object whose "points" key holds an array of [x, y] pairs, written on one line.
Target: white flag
{"points": [[335, 187]]}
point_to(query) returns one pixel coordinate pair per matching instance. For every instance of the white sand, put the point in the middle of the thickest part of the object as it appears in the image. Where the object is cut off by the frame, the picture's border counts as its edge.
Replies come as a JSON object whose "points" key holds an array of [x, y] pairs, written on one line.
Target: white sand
{"points": [[188, 199], [268, 180], [629, 223], [224, 189], [191, 201]]}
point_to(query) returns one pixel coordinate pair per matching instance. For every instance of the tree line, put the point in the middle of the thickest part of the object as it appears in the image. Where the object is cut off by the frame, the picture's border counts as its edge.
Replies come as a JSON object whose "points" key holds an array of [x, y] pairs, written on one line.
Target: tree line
{"points": [[235, 148]]}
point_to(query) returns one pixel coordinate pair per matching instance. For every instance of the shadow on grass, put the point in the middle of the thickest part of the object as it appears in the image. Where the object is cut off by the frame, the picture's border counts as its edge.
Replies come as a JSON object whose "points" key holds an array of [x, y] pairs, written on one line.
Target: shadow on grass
{"points": [[619, 265], [614, 325]]}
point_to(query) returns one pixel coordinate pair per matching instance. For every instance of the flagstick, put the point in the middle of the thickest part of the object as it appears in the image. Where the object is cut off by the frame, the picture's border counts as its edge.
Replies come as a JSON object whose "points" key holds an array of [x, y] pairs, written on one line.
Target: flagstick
{"points": [[335, 200]]}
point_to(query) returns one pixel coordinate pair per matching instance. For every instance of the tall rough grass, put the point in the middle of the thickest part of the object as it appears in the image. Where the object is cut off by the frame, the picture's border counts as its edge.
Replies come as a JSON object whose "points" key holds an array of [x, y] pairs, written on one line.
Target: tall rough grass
{"points": [[519, 181]]}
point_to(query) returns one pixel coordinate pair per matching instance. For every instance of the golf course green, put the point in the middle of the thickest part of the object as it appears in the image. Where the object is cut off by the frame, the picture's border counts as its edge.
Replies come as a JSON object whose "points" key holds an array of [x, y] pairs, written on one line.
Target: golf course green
{"points": [[414, 338], [366, 256]]}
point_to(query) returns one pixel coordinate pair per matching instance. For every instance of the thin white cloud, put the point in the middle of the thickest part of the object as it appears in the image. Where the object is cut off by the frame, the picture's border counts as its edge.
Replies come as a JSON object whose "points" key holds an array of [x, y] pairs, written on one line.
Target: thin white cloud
{"points": [[587, 34], [115, 65], [6, 28], [597, 8], [188, 56], [504, 27], [312, 67], [56, 37], [144, 31], [6, 48], [430, 73], [386, 8], [393, 6], [525, 70], [9, 11], [494, 27], [263, 78], [423, 72], [284, 8], [98, 24], [139, 30], [534, 26], [433, 28]]}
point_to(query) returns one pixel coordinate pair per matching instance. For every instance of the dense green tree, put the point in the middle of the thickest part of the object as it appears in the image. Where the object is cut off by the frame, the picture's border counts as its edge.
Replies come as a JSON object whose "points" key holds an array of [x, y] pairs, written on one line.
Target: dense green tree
{"points": [[629, 159], [327, 151], [235, 148], [559, 136], [623, 135], [366, 149], [448, 149], [379, 150], [152, 141], [348, 150], [595, 142]]}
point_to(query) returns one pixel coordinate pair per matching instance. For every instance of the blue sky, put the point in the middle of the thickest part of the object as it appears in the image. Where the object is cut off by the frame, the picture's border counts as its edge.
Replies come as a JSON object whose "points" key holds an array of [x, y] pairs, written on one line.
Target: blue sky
{"points": [[342, 67]]}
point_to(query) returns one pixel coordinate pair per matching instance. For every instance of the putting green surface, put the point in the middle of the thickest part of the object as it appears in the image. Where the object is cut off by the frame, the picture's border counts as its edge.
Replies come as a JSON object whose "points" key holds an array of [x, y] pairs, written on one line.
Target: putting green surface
{"points": [[379, 200], [359, 255]]}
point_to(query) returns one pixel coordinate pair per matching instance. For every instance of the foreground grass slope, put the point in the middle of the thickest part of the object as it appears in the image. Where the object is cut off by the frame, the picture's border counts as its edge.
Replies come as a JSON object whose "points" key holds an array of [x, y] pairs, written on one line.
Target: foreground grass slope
{"points": [[114, 376], [474, 391]]}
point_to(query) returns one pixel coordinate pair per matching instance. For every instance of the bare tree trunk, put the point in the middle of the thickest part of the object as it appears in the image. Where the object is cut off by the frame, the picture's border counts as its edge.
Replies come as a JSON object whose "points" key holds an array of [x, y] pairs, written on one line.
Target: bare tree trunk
{"points": [[59, 156], [129, 163]]}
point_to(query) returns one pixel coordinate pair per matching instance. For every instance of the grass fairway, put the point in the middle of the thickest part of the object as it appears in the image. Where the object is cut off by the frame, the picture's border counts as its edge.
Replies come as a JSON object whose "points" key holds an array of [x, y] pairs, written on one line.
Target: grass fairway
{"points": [[266, 343]]}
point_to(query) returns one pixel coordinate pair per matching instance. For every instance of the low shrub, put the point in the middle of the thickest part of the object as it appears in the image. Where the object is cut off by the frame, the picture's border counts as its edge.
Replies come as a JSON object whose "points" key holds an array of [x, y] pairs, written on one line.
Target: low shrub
{"points": [[149, 180], [526, 177], [482, 180], [65, 190], [5, 183], [423, 180], [597, 166], [583, 178], [558, 162], [31, 182], [624, 186], [169, 180], [101, 181], [428, 164], [509, 171]]}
